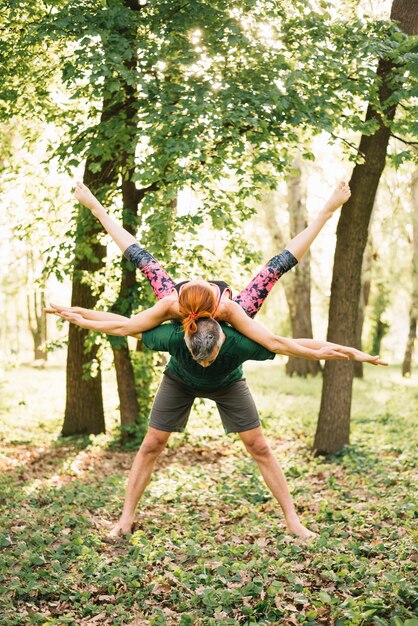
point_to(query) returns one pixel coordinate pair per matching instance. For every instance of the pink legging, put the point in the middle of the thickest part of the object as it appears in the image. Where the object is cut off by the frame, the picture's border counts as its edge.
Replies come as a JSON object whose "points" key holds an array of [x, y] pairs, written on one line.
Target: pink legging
{"points": [[250, 299]]}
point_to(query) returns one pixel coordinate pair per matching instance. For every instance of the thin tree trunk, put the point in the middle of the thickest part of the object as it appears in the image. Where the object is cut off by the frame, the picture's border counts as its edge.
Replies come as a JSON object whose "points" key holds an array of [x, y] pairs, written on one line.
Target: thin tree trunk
{"points": [[298, 291], [333, 427], [413, 313], [125, 375], [35, 302], [296, 284], [363, 302]]}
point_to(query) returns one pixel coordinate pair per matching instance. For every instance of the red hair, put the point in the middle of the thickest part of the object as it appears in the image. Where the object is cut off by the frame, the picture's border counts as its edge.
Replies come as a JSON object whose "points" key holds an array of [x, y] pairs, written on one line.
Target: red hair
{"points": [[195, 302]]}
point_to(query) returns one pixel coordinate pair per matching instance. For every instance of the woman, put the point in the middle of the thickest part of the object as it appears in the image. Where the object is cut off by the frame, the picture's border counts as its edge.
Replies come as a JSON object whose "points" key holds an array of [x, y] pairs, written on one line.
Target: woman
{"points": [[190, 301]]}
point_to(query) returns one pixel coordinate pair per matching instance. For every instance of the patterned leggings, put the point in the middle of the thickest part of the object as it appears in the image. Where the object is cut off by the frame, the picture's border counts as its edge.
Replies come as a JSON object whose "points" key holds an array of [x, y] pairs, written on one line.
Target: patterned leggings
{"points": [[250, 299]]}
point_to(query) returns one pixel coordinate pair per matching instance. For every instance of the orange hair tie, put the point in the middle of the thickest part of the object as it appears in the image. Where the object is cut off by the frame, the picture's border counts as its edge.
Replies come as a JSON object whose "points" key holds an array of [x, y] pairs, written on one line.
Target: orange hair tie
{"points": [[193, 315]]}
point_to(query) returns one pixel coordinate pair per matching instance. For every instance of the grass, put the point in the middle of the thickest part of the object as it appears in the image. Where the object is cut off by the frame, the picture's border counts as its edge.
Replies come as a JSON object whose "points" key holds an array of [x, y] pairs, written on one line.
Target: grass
{"points": [[211, 547]]}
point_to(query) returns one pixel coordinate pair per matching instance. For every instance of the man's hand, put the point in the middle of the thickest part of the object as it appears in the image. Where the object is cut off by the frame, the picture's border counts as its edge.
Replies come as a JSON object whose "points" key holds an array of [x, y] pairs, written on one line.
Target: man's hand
{"points": [[332, 353], [358, 355]]}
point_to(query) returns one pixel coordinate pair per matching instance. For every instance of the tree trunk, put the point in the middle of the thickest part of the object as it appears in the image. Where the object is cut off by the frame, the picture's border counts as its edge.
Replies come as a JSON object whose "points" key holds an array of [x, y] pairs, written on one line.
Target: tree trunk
{"points": [[125, 375], [84, 413], [36, 317], [297, 284], [409, 350], [363, 302], [413, 314], [84, 409], [298, 291], [333, 427]]}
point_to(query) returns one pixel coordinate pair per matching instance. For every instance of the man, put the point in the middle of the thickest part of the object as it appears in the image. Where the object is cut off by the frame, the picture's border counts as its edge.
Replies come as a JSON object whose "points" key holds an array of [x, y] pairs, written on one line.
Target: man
{"points": [[218, 377]]}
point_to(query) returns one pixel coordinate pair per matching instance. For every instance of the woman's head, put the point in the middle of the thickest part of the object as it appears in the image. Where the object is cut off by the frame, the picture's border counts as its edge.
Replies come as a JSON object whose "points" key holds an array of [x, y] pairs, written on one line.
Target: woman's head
{"points": [[196, 301]]}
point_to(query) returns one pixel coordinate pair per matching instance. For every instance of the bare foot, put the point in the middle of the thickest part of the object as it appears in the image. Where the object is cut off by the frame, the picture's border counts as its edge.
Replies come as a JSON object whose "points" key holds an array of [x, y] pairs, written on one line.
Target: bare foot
{"points": [[339, 196], [121, 529], [298, 529], [86, 198]]}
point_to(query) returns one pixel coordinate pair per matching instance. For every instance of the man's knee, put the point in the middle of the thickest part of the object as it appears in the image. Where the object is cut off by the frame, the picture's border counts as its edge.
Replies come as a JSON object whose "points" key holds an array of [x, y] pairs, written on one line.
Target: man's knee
{"points": [[153, 444], [258, 447]]}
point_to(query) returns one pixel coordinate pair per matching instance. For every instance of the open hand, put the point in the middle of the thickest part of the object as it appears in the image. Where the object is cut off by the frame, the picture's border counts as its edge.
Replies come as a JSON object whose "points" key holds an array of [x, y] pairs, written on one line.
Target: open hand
{"points": [[332, 353], [70, 313], [363, 357]]}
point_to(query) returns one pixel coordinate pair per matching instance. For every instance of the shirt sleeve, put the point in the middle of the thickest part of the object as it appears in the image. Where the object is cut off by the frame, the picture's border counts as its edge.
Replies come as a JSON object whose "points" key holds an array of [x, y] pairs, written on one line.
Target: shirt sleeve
{"points": [[252, 351], [164, 338]]}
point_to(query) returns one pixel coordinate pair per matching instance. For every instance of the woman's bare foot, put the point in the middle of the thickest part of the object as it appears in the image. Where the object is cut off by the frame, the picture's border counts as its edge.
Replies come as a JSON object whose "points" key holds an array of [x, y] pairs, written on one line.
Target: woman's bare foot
{"points": [[86, 198], [339, 196], [295, 527]]}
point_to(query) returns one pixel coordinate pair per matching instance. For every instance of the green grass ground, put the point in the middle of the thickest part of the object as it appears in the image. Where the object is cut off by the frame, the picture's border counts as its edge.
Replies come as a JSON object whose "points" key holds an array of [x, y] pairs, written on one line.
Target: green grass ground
{"points": [[211, 547]]}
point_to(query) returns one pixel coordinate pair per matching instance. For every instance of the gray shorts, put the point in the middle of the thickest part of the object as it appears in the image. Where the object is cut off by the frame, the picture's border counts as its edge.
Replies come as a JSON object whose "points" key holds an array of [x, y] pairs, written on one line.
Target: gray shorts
{"points": [[174, 400]]}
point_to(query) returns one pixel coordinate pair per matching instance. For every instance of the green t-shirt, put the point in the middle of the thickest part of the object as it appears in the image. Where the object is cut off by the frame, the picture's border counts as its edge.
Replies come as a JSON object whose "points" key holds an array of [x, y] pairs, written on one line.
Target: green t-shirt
{"points": [[226, 368]]}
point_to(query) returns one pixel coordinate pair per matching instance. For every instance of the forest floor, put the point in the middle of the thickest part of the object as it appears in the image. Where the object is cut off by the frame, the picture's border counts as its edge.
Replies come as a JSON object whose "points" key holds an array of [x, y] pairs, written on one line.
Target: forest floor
{"points": [[211, 547]]}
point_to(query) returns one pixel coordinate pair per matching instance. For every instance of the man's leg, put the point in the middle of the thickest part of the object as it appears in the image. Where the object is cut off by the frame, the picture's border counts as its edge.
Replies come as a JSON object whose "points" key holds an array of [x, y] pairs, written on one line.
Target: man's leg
{"points": [[158, 278], [252, 297], [139, 477], [258, 447]]}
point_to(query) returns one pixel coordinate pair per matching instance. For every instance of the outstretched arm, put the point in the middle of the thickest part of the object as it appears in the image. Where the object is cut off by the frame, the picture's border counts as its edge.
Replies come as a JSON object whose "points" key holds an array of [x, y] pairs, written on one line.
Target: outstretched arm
{"points": [[114, 324], [120, 236], [300, 244], [304, 348]]}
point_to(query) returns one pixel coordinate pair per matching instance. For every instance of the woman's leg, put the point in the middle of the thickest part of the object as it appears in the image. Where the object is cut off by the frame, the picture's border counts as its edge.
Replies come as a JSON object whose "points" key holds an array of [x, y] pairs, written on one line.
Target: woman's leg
{"points": [[161, 283], [159, 280], [253, 296]]}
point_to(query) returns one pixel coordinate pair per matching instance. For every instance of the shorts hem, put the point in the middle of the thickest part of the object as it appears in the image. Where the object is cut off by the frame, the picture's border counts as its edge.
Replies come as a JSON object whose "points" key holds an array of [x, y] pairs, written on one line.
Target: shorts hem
{"points": [[167, 430], [242, 429]]}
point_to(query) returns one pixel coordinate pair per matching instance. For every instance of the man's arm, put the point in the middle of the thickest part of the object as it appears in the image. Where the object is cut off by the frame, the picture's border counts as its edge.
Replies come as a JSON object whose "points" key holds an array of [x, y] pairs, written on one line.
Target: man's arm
{"points": [[304, 348], [353, 353]]}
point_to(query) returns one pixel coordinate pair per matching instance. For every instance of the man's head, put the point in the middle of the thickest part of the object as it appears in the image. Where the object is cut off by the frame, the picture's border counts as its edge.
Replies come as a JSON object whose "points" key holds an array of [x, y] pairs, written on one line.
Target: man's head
{"points": [[205, 343]]}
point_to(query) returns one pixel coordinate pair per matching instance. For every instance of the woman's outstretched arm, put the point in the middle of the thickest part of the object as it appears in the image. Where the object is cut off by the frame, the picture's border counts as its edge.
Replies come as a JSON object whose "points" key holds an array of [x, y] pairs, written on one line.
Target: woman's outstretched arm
{"points": [[111, 323]]}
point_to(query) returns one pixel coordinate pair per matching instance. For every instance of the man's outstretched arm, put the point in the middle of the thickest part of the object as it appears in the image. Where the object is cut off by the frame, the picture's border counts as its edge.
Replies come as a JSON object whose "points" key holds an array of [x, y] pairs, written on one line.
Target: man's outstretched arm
{"points": [[303, 348]]}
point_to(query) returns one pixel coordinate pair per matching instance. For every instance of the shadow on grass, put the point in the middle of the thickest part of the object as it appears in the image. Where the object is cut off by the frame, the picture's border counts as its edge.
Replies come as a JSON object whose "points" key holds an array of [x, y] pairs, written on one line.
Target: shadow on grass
{"points": [[357, 458]]}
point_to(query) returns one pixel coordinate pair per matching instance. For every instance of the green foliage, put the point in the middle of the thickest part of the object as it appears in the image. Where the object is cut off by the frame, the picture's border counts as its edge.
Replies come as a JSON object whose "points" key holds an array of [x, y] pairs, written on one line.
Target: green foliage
{"points": [[211, 545]]}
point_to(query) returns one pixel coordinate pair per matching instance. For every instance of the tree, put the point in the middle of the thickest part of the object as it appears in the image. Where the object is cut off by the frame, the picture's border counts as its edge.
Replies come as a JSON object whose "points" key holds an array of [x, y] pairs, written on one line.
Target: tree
{"points": [[363, 302], [413, 313], [334, 418], [216, 98], [36, 301], [298, 293], [296, 284]]}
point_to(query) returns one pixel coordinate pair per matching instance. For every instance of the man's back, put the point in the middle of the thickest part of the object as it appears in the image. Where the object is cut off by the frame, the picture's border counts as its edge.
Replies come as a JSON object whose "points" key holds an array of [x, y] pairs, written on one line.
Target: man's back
{"points": [[226, 368]]}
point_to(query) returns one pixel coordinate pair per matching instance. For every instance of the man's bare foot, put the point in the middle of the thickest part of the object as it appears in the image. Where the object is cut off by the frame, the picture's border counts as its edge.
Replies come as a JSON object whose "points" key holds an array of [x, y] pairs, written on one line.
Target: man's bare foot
{"points": [[121, 529], [86, 198], [339, 196], [298, 529]]}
